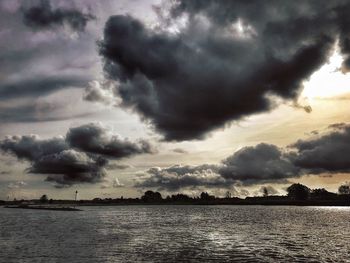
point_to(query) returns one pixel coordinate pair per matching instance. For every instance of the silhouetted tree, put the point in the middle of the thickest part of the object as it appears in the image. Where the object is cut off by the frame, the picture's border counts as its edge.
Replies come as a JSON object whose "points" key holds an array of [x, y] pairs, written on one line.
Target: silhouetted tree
{"points": [[265, 191], [44, 199], [150, 196], [180, 197], [206, 196], [344, 189], [321, 193], [298, 192], [228, 194]]}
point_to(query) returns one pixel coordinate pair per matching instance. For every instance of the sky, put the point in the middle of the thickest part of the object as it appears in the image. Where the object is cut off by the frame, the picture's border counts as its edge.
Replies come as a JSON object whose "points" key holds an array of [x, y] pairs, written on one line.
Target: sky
{"points": [[112, 98]]}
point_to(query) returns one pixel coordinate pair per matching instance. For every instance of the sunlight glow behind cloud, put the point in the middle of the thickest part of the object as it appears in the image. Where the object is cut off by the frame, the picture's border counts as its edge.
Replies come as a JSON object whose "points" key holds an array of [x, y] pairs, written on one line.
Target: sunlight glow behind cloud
{"points": [[329, 81]]}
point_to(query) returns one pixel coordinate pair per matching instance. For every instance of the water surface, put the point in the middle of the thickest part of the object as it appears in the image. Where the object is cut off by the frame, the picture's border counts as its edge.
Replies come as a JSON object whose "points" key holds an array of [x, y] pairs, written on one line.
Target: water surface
{"points": [[176, 233]]}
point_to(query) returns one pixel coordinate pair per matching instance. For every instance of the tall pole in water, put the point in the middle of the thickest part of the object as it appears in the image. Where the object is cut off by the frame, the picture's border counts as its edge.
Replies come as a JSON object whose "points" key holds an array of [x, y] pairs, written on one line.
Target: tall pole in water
{"points": [[76, 198]]}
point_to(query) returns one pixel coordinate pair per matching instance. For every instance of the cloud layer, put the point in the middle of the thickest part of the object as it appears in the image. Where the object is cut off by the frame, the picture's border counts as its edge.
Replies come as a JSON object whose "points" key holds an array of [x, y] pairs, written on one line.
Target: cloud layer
{"points": [[224, 61], [43, 16], [328, 153], [70, 167], [260, 164], [79, 157], [94, 138], [38, 63], [178, 177]]}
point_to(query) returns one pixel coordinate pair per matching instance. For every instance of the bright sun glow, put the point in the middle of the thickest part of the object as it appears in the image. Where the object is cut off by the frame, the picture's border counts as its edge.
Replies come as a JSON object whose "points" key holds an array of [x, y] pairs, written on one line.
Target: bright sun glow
{"points": [[329, 81]]}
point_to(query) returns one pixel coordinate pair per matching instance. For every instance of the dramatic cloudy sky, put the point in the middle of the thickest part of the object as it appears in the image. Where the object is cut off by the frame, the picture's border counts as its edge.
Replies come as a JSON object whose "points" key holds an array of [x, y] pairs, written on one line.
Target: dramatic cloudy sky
{"points": [[114, 97]]}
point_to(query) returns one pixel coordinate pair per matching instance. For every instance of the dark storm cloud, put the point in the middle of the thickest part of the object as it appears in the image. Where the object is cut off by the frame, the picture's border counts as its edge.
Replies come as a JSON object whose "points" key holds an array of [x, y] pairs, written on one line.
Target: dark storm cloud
{"points": [[223, 64], [43, 16], [327, 153], [70, 167], [68, 161], [31, 148], [96, 139], [260, 163]]}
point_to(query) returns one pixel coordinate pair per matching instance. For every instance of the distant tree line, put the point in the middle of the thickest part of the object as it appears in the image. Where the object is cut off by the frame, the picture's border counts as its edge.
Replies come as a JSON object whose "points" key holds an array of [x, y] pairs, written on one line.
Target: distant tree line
{"points": [[295, 193], [150, 196], [299, 191]]}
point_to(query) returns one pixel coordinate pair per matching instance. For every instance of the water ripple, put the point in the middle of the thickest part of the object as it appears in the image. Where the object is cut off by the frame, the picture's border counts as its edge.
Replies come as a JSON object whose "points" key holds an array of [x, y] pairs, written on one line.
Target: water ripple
{"points": [[176, 234]]}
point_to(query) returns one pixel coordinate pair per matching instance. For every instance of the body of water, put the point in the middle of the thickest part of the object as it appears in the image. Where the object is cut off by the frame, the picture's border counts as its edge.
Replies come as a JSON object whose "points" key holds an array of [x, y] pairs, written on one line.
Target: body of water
{"points": [[176, 234]]}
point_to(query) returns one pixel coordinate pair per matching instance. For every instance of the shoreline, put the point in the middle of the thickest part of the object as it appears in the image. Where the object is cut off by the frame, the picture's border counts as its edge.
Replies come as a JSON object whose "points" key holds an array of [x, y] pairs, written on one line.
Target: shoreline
{"points": [[70, 206], [41, 207]]}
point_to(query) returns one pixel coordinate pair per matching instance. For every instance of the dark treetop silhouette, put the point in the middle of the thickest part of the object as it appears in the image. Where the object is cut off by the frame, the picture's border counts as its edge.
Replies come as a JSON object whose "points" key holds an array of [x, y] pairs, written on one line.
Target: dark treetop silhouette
{"points": [[297, 194]]}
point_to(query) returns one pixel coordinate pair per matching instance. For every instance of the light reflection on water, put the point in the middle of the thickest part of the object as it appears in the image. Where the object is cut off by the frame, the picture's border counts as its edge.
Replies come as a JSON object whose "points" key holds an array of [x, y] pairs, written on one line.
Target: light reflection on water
{"points": [[176, 233]]}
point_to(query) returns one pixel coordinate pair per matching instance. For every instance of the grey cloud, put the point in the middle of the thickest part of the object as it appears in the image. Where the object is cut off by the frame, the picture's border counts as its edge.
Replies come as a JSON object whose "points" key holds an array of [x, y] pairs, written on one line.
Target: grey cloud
{"points": [[36, 111], [261, 163], [100, 92], [34, 65], [179, 177], [179, 150], [187, 169], [213, 71], [116, 166], [306, 108], [96, 139], [326, 153], [281, 21], [70, 167], [43, 16], [248, 166], [32, 148], [339, 126], [50, 156], [65, 161], [38, 86]]}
